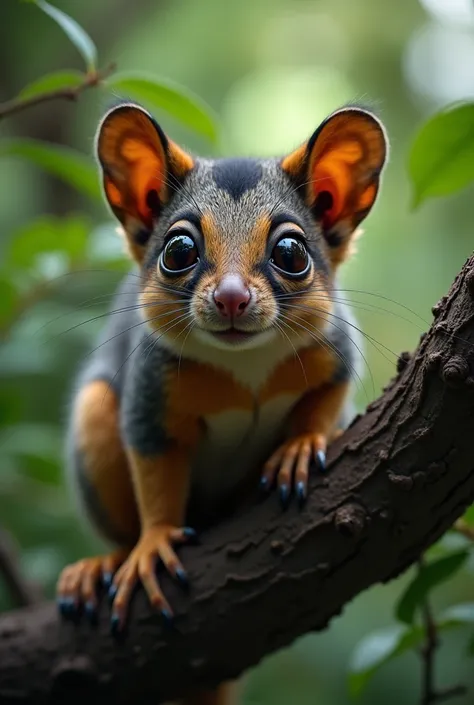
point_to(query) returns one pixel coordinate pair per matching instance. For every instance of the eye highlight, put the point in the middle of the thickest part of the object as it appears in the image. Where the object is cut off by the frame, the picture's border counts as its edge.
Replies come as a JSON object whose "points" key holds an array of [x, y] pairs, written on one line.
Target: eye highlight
{"points": [[180, 252], [290, 256]]}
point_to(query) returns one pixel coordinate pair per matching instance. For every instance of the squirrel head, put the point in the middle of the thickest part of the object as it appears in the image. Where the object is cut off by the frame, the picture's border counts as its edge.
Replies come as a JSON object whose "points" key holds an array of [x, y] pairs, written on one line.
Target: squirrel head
{"points": [[227, 247]]}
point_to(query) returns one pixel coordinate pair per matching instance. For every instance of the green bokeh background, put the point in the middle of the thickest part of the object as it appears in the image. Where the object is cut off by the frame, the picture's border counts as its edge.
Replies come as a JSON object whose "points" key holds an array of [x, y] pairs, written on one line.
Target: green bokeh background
{"points": [[271, 70]]}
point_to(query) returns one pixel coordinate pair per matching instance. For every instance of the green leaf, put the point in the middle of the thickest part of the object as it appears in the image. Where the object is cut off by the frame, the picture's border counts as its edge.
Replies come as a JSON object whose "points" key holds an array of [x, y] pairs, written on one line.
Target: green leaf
{"points": [[48, 234], [11, 406], [66, 163], [469, 515], [470, 646], [8, 298], [52, 82], [38, 446], [441, 160], [376, 649], [174, 99], [459, 614], [426, 579], [382, 646], [74, 31]]}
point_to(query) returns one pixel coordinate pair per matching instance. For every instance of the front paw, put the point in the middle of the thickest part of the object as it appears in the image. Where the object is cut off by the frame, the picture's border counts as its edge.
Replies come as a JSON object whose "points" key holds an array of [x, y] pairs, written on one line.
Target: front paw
{"points": [[155, 544], [289, 466], [78, 584]]}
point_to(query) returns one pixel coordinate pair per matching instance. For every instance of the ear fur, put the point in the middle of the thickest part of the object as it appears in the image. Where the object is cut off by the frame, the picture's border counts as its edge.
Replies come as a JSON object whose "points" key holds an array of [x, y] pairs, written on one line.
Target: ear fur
{"points": [[339, 171], [140, 167]]}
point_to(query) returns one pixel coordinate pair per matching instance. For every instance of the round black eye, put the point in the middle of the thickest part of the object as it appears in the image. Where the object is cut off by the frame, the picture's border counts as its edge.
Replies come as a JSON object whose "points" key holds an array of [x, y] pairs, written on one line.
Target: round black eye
{"points": [[180, 253], [290, 255]]}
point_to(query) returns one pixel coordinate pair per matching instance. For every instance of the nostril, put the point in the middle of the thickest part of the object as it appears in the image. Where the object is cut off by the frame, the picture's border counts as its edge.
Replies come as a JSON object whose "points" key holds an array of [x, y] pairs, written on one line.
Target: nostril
{"points": [[231, 296], [244, 303]]}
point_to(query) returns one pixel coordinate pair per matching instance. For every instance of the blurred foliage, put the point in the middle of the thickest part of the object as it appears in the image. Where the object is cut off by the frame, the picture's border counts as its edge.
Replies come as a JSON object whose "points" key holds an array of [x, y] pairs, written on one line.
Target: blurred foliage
{"points": [[271, 71]]}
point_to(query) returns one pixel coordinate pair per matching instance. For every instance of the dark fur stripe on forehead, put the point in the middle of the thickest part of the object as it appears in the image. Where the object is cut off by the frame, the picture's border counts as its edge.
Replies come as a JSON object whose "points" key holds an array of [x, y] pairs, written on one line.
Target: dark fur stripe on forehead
{"points": [[236, 176]]}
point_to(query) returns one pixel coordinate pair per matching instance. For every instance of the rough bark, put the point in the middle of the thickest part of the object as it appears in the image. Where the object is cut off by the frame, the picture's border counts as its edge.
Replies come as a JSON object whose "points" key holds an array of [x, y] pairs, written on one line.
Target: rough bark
{"points": [[398, 478]]}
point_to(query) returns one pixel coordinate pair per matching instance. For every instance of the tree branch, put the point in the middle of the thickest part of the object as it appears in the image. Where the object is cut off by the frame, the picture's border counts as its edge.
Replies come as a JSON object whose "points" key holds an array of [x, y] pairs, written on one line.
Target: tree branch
{"points": [[398, 479], [92, 79]]}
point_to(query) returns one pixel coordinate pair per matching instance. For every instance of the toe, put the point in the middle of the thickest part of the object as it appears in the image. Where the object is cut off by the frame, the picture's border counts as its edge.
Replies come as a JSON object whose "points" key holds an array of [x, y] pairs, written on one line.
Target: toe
{"points": [[69, 590], [285, 477], [171, 562], [150, 582], [90, 578], [284, 492], [90, 610], [301, 472], [270, 469], [123, 593]]}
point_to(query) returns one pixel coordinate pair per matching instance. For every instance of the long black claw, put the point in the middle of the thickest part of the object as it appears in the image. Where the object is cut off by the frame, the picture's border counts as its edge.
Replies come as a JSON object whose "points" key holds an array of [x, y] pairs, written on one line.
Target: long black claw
{"points": [[284, 495], [182, 577], [301, 493], [168, 617], [67, 606], [190, 534], [115, 625], [321, 460], [107, 578], [112, 592], [90, 610]]}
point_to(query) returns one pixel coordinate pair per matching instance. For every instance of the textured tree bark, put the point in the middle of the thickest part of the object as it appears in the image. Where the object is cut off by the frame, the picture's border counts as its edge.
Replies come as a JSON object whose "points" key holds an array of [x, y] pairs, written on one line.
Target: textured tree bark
{"points": [[398, 478]]}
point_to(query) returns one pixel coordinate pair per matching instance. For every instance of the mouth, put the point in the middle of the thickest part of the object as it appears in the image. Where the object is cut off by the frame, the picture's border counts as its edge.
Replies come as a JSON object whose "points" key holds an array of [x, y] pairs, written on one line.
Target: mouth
{"points": [[233, 335]]}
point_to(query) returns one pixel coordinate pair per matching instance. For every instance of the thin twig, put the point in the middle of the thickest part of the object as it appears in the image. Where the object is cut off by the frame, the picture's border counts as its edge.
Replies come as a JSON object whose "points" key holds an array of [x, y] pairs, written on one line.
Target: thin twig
{"points": [[430, 694], [92, 79], [464, 529], [456, 691], [22, 592], [428, 655]]}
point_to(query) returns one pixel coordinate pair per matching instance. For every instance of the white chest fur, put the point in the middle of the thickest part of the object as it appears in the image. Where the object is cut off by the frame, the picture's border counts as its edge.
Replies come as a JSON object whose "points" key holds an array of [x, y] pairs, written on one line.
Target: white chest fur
{"points": [[238, 442]]}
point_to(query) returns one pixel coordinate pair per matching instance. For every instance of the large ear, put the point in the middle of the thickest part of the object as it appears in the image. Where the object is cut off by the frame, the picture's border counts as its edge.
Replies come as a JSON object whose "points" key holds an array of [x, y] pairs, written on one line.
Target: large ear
{"points": [[339, 170], [141, 167]]}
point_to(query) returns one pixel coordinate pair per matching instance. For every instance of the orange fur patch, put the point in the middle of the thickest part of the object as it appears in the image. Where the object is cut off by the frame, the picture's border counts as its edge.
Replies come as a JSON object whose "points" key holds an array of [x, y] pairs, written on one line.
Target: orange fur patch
{"points": [[221, 249], [318, 411], [197, 390], [162, 485], [319, 364], [180, 162], [294, 163], [104, 460]]}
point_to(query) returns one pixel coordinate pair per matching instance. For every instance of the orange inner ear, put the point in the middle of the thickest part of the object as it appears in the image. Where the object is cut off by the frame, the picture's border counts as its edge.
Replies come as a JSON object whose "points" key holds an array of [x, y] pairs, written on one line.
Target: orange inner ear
{"points": [[146, 173], [335, 173], [134, 162]]}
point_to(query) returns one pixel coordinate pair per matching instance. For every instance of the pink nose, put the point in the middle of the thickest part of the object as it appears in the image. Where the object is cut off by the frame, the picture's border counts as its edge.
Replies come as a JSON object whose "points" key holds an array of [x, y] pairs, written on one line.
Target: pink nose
{"points": [[231, 296]]}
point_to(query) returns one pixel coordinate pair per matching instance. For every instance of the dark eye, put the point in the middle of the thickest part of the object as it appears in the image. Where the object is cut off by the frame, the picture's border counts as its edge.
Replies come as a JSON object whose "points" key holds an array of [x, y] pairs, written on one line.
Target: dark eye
{"points": [[180, 253], [290, 255]]}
